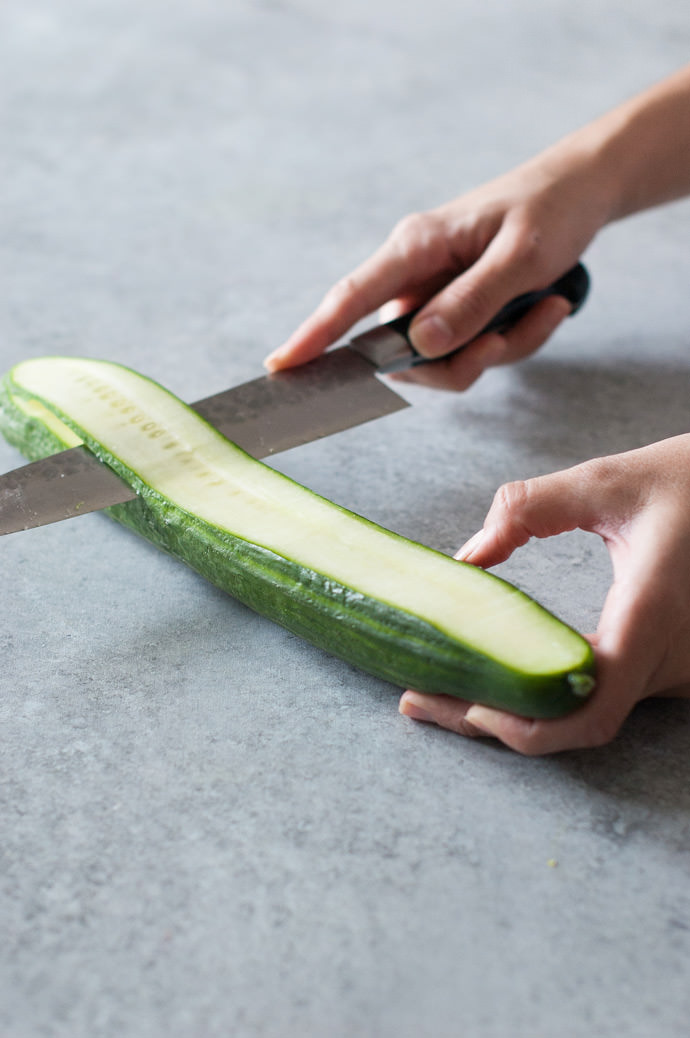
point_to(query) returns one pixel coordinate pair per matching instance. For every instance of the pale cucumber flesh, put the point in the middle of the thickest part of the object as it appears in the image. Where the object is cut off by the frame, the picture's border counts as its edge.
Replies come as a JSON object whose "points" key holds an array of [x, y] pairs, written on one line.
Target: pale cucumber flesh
{"points": [[166, 451]]}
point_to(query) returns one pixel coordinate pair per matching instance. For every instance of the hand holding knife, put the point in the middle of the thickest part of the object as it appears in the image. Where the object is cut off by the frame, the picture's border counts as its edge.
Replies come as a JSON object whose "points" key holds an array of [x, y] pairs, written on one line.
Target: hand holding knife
{"points": [[336, 391]]}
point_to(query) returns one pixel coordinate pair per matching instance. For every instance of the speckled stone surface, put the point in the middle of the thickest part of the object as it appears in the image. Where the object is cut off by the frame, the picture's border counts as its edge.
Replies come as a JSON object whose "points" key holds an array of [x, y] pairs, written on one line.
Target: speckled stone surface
{"points": [[208, 828]]}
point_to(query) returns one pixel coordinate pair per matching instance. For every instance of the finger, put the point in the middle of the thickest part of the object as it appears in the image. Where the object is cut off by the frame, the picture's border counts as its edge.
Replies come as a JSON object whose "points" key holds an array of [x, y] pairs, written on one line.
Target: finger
{"points": [[539, 507], [455, 315], [414, 253], [463, 368], [397, 307], [625, 668], [445, 711], [627, 671], [412, 298], [594, 724], [645, 617], [532, 330]]}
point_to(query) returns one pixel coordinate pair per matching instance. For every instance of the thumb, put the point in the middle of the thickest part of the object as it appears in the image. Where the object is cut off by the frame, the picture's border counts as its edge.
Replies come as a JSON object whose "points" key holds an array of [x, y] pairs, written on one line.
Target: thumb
{"points": [[539, 507], [508, 267]]}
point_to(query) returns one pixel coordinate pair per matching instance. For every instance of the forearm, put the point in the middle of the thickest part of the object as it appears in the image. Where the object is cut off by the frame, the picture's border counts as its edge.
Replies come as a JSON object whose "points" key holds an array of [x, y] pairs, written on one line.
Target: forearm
{"points": [[462, 261], [636, 155]]}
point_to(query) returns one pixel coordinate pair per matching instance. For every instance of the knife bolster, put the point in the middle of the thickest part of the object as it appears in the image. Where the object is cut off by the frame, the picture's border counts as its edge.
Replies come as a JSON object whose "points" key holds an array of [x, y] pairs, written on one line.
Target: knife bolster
{"points": [[385, 348]]}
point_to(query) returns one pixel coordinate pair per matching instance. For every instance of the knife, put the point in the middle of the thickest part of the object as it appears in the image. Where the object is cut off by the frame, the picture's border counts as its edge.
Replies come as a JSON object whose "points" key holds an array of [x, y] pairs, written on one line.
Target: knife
{"points": [[337, 391]]}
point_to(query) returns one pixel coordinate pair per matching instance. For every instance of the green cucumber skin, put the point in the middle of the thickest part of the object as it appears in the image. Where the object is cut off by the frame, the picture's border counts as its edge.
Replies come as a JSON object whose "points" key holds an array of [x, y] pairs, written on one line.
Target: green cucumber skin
{"points": [[380, 639]]}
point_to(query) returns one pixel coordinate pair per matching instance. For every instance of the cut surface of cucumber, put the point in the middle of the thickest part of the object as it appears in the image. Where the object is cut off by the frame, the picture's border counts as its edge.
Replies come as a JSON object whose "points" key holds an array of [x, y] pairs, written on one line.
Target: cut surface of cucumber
{"points": [[391, 606]]}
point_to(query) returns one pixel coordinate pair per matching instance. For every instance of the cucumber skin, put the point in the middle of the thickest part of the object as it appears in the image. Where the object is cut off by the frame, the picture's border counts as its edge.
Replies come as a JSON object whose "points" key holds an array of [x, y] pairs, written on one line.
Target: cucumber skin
{"points": [[374, 636]]}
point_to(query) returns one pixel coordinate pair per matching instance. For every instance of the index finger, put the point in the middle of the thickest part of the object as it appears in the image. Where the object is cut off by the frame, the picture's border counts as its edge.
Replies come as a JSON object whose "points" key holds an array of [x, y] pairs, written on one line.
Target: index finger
{"points": [[411, 255]]}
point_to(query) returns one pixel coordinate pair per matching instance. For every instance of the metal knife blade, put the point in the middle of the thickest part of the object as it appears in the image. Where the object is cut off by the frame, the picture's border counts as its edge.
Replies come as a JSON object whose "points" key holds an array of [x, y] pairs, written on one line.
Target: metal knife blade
{"points": [[337, 391], [270, 414]]}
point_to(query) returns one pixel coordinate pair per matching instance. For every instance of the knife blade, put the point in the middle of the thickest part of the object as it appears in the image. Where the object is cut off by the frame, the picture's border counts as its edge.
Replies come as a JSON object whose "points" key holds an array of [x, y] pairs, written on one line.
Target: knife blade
{"points": [[337, 391]]}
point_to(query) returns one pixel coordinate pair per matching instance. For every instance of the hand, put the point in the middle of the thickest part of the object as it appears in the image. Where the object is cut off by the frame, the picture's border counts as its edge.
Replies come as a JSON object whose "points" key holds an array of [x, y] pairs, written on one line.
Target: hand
{"points": [[465, 260], [639, 503], [516, 234]]}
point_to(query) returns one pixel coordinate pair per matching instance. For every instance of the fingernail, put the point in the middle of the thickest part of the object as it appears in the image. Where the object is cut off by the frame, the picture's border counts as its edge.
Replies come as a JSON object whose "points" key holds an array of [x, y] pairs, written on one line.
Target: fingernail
{"points": [[494, 353], [412, 705], [477, 717], [388, 312], [469, 546], [563, 308], [432, 335], [272, 361]]}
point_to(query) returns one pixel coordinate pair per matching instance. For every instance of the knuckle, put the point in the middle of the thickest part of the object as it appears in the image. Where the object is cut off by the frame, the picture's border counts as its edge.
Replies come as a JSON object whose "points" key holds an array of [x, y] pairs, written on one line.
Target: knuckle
{"points": [[531, 744], [511, 499], [608, 487], [601, 731], [468, 304], [508, 516], [412, 235], [411, 225], [528, 738], [536, 740], [599, 471], [528, 249], [458, 373], [531, 250], [343, 289]]}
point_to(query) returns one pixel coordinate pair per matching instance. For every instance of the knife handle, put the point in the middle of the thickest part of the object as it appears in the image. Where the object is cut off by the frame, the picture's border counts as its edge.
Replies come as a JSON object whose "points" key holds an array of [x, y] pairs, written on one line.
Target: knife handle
{"points": [[389, 348]]}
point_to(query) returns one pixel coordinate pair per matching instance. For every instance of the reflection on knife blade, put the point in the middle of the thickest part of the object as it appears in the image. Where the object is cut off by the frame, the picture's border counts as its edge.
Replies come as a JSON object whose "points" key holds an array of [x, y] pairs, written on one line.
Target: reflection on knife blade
{"points": [[270, 414], [337, 391]]}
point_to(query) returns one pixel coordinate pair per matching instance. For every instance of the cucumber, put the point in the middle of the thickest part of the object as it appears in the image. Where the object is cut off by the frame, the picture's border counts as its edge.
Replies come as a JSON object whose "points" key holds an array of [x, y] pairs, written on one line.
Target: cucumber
{"points": [[392, 607]]}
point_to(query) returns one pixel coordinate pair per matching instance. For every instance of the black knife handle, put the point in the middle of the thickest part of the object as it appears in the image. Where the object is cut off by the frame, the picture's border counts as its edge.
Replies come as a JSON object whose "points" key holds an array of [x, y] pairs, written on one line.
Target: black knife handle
{"points": [[573, 285], [390, 353]]}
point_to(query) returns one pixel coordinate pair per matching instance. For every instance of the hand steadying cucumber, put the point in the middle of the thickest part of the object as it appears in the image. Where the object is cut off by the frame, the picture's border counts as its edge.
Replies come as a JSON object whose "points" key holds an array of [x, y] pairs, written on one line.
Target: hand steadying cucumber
{"points": [[396, 609]]}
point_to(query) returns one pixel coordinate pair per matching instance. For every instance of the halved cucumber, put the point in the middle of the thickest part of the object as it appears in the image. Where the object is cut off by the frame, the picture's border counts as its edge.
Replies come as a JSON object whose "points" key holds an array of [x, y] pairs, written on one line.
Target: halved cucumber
{"points": [[391, 606]]}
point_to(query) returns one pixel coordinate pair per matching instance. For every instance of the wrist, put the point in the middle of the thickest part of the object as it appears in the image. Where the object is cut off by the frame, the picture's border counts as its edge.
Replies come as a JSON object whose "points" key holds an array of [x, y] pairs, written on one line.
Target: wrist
{"points": [[641, 149], [584, 168], [633, 157]]}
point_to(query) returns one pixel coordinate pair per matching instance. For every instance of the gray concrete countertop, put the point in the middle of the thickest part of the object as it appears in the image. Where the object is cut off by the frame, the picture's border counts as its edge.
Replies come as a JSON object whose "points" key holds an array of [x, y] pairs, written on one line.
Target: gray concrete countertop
{"points": [[208, 828]]}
